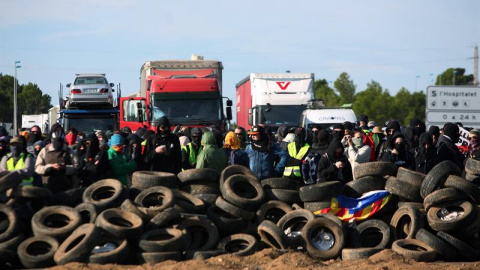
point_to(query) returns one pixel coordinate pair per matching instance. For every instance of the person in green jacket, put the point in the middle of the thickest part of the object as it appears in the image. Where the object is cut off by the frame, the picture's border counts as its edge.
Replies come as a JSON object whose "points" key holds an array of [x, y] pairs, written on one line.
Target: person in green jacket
{"points": [[211, 156], [121, 167]]}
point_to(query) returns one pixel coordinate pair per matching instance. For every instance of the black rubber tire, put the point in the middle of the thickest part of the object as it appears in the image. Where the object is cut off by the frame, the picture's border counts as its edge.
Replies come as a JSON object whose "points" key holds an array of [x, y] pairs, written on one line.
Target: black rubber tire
{"points": [[284, 195], [119, 255], [119, 223], [472, 178], [403, 189], [349, 254], [436, 177], [416, 205], [158, 257], [142, 180], [203, 175], [465, 186], [56, 221], [472, 230], [436, 223], [88, 212], [280, 183], [202, 255], [37, 252], [320, 192], [105, 194], [224, 221], [406, 222], [131, 207], [12, 243], [77, 247], [204, 234], [163, 240], [371, 233], [472, 166], [8, 216], [443, 195], [376, 168], [197, 188], [30, 193], [440, 246], [243, 191], [316, 206], [271, 235], [156, 199], [358, 187], [208, 198], [463, 249], [187, 203], [239, 244], [273, 211], [414, 249], [294, 221], [71, 197], [164, 219], [234, 210], [232, 170], [410, 176], [311, 230], [9, 180]]}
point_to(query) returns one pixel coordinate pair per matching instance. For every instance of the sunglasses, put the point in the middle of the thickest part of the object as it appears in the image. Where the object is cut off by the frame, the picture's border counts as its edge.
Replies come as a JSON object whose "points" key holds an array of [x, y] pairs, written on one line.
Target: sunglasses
{"points": [[473, 137]]}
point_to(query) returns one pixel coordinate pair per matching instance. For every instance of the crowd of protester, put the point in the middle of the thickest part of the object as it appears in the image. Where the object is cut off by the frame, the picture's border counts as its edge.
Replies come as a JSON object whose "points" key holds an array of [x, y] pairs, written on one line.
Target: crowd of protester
{"points": [[62, 160]]}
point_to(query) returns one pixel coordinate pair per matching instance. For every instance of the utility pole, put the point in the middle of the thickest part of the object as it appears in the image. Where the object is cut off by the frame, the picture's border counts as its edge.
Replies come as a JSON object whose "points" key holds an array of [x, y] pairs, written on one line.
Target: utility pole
{"points": [[15, 128], [475, 66]]}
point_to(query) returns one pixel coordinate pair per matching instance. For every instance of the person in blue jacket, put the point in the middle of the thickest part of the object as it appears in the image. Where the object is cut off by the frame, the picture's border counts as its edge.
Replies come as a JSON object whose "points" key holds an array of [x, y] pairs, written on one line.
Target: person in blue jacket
{"points": [[267, 159]]}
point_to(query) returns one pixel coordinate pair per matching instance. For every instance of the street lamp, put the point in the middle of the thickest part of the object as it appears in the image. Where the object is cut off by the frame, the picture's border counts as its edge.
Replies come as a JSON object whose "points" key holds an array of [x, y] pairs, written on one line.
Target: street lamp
{"points": [[15, 128]]}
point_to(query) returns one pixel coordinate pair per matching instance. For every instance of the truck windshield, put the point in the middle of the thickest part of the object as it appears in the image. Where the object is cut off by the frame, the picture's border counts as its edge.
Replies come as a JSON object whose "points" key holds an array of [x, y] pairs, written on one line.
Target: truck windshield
{"points": [[90, 125], [275, 115], [187, 111]]}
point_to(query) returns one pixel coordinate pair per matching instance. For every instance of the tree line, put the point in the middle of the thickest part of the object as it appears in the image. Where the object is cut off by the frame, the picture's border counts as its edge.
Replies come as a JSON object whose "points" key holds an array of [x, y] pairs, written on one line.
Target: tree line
{"points": [[30, 99], [377, 103]]}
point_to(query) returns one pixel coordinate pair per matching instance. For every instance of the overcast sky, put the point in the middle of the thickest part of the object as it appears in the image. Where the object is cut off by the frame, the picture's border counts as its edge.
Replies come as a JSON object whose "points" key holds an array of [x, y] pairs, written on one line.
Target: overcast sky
{"points": [[396, 43]]}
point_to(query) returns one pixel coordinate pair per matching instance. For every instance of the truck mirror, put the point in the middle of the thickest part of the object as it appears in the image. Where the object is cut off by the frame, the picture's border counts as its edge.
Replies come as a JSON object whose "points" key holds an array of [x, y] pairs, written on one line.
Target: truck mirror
{"points": [[229, 102], [250, 119], [68, 85], [269, 107], [149, 84], [139, 105], [229, 113], [112, 84]]}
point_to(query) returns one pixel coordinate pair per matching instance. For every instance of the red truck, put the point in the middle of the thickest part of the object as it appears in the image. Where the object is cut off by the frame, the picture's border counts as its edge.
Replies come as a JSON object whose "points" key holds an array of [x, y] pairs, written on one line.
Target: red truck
{"points": [[188, 92]]}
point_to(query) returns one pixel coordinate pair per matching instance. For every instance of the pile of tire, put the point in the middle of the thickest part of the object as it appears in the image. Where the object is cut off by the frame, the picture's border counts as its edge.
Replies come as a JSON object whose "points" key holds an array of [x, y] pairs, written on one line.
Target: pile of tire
{"points": [[200, 213]]}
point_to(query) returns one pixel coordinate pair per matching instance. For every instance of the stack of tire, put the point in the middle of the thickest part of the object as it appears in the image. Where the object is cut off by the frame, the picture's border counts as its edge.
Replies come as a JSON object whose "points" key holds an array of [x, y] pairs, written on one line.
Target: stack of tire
{"points": [[281, 189], [142, 180], [202, 183], [472, 169], [446, 224], [319, 196]]}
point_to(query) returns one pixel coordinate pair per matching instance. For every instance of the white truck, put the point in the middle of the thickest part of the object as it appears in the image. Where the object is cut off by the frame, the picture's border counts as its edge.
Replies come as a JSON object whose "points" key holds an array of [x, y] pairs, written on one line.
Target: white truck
{"points": [[41, 120], [273, 99], [317, 115]]}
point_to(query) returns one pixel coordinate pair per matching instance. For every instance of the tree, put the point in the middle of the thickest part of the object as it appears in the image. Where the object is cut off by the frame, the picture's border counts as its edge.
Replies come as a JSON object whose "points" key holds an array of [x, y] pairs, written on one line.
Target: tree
{"points": [[324, 92], [6, 98], [407, 106], [345, 88], [374, 102], [454, 76]]}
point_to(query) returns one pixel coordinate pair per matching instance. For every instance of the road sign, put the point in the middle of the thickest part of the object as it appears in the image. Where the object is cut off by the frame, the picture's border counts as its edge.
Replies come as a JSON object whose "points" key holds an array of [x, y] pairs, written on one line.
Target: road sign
{"points": [[453, 98], [448, 116]]}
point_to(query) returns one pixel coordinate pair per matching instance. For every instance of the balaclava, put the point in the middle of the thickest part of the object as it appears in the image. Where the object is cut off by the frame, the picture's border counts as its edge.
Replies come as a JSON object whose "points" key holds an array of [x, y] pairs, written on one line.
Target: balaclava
{"points": [[452, 131]]}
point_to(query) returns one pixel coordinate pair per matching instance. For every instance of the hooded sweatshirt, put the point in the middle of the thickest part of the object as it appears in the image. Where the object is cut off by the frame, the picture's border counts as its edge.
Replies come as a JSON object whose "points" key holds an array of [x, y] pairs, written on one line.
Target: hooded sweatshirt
{"points": [[425, 158], [171, 159], [403, 157], [327, 169], [96, 165], [211, 156]]}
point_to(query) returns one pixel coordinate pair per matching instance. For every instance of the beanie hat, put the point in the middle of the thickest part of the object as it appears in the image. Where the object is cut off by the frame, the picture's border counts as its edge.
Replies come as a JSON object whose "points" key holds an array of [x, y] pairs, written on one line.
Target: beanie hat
{"points": [[451, 130], [434, 130], [338, 126], [348, 125], [40, 142], [363, 118], [116, 139], [323, 135], [415, 122]]}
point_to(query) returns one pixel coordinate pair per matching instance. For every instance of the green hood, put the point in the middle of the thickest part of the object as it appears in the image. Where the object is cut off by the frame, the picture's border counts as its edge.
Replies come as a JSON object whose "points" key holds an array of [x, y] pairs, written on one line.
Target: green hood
{"points": [[208, 138]]}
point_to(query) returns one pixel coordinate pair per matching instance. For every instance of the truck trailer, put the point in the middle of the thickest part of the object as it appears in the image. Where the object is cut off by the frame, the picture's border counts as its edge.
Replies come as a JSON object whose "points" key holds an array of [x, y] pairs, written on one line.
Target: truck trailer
{"points": [[187, 92], [273, 99]]}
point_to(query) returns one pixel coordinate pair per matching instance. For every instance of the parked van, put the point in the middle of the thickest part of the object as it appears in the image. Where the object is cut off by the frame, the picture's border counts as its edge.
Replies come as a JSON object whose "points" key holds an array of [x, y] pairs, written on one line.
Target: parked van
{"points": [[325, 118]]}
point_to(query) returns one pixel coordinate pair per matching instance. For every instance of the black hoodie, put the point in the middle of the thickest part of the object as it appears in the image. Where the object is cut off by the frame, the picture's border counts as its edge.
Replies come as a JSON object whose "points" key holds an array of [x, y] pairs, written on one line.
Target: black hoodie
{"points": [[96, 165], [171, 159], [403, 157], [425, 158], [328, 171]]}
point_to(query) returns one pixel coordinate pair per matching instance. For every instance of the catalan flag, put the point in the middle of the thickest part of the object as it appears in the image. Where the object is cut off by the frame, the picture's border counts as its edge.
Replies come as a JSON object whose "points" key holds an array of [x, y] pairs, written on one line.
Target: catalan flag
{"points": [[346, 208]]}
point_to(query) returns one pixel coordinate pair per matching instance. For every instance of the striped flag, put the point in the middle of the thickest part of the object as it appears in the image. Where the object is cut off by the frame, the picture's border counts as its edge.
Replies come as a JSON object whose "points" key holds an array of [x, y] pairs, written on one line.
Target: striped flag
{"points": [[346, 208]]}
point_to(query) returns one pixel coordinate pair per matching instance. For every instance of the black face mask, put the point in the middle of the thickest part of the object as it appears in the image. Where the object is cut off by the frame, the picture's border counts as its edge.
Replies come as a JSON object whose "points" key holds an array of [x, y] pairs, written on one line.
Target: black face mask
{"points": [[399, 146], [58, 143], [196, 140], [15, 150], [338, 134]]}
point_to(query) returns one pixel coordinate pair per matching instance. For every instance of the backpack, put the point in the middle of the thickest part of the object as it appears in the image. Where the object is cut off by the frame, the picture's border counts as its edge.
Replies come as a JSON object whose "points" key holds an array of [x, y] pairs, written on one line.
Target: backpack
{"points": [[309, 167]]}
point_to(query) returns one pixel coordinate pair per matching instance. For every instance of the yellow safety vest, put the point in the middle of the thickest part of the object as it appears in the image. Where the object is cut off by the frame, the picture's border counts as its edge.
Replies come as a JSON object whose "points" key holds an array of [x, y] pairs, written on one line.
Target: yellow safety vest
{"points": [[192, 157], [292, 151], [20, 165]]}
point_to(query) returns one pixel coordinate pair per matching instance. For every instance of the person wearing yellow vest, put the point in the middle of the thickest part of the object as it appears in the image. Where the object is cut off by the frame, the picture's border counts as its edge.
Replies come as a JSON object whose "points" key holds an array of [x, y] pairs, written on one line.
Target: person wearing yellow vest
{"points": [[191, 151], [19, 160], [298, 151]]}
